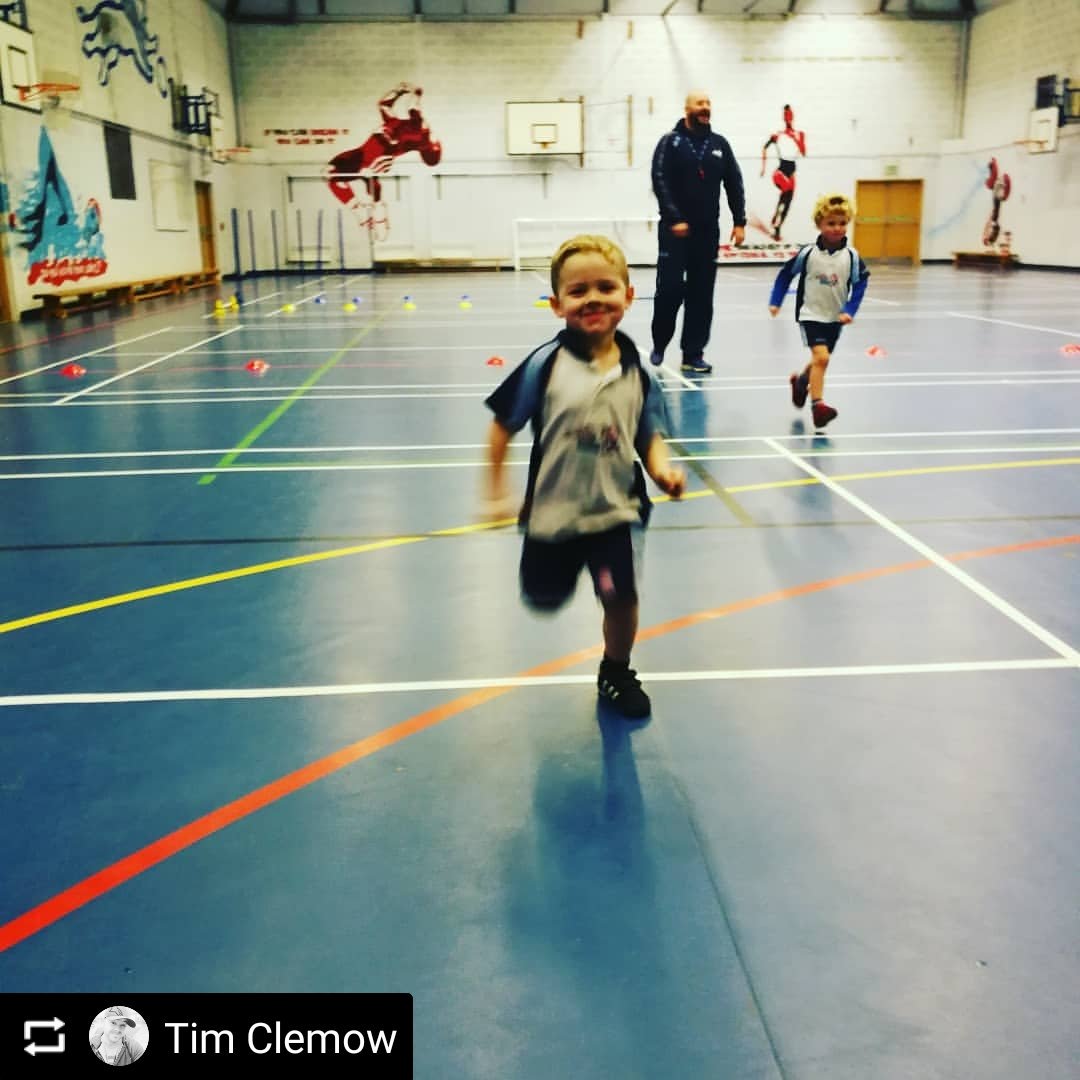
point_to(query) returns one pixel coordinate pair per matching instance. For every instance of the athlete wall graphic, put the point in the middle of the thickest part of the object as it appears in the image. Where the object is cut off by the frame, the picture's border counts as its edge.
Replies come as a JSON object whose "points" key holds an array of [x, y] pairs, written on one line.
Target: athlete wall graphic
{"points": [[62, 243], [789, 145], [1000, 186], [401, 132]]}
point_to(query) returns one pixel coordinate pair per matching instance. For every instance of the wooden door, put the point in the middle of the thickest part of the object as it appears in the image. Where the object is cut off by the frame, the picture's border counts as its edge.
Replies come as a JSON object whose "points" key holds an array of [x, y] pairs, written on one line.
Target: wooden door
{"points": [[870, 207], [902, 220], [888, 218], [205, 209]]}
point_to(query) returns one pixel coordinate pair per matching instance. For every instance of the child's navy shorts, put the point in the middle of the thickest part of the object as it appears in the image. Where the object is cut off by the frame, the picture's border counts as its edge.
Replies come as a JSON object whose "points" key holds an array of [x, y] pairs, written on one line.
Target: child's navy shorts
{"points": [[549, 570], [820, 333]]}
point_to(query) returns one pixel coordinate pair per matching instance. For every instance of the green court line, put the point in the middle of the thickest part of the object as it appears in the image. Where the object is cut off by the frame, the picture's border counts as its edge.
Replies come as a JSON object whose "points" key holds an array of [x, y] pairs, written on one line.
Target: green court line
{"points": [[735, 508], [268, 422]]}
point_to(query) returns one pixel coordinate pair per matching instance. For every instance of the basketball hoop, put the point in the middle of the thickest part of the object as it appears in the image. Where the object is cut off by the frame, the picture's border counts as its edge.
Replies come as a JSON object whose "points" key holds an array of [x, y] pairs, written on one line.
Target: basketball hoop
{"points": [[50, 91], [1033, 146]]}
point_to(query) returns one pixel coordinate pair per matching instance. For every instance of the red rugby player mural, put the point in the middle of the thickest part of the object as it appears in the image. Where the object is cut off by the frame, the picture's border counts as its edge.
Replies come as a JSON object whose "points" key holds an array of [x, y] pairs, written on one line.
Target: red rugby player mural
{"points": [[1000, 186], [399, 134]]}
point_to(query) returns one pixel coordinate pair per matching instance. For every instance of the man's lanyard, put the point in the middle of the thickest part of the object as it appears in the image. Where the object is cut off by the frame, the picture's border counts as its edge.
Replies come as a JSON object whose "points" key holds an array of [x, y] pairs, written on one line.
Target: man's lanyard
{"points": [[700, 154]]}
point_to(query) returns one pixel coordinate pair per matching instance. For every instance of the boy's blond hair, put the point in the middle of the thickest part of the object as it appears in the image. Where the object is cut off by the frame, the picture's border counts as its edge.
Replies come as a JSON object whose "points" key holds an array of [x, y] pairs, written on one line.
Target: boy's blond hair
{"points": [[586, 242], [833, 204]]}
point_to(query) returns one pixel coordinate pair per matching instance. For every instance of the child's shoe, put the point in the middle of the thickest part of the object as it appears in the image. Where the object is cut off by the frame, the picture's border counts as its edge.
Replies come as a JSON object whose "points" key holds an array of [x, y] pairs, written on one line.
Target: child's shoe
{"points": [[619, 684], [823, 414], [656, 358], [696, 365], [800, 384]]}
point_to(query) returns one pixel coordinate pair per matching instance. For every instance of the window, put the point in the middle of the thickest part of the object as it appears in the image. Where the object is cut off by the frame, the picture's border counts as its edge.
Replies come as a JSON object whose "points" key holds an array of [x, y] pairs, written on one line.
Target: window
{"points": [[118, 154]]}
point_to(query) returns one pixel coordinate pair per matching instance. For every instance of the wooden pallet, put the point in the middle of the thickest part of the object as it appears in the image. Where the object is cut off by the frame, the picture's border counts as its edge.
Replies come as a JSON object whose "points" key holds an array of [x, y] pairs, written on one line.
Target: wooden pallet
{"points": [[60, 303], [985, 258]]}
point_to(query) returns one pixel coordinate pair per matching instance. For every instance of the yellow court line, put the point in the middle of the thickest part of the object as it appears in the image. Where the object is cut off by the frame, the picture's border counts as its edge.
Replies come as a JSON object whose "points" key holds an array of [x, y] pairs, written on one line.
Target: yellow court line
{"points": [[461, 530]]}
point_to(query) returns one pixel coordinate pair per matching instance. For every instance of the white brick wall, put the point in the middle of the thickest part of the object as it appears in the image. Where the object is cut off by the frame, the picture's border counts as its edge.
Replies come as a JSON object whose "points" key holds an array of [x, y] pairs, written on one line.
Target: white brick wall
{"points": [[863, 89], [1011, 47], [868, 91]]}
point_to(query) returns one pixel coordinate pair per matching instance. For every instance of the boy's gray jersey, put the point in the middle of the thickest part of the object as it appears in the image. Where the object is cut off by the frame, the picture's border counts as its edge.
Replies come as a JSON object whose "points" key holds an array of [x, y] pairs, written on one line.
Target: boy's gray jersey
{"points": [[588, 427], [827, 283]]}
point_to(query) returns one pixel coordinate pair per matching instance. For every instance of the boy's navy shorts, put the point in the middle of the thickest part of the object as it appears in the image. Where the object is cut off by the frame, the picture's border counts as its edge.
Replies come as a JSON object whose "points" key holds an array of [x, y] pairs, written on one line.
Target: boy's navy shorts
{"points": [[820, 333], [549, 570]]}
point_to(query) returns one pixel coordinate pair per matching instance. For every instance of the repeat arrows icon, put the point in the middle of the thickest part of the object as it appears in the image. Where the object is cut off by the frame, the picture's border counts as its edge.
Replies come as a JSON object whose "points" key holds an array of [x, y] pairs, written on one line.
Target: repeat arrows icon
{"points": [[54, 1024]]}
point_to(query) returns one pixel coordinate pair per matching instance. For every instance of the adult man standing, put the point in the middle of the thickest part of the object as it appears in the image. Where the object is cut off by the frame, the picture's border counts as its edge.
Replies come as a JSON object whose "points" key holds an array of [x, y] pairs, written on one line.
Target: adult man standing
{"points": [[690, 164]]}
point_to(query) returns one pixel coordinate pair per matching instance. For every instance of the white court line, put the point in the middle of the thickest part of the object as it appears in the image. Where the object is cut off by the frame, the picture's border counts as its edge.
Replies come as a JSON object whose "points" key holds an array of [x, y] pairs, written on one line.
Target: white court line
{"points": [[142, 367], [942, 451], [511, 682], [879, 300], [246, 303], [975, 378], [276, 393], [109, 474], [296, 303], [1003, 606], [420, 466], [83, 356], [663, 369], [114, 403], [1022, 326], [524, 345]]}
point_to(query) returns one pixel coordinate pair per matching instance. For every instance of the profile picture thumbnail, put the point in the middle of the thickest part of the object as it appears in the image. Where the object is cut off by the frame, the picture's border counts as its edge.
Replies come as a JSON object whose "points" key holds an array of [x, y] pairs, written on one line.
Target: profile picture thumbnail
{"points": [[118, 1035]]}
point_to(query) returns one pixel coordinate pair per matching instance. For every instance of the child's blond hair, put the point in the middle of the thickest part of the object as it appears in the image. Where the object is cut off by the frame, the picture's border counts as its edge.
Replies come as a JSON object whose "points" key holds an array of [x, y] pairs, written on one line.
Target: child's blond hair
{"points": [[584, 243], [833, 204]]}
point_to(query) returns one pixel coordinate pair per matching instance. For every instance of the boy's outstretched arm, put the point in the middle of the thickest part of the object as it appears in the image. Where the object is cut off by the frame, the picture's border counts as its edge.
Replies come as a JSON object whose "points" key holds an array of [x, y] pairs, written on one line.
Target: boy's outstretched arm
{"points": [[668, 478], [781, 285]]}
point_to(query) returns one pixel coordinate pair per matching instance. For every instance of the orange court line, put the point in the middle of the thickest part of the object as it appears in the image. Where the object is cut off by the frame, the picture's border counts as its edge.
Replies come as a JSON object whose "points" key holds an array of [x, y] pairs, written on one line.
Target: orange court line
{"points": [[84, 892]]}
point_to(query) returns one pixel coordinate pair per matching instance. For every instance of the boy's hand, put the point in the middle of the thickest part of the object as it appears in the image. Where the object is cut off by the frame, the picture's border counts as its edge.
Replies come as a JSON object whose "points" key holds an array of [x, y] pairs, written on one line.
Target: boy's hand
{"points": [[496, 502], [845, 318], [498, 508], [773, 311], [671, 482]]}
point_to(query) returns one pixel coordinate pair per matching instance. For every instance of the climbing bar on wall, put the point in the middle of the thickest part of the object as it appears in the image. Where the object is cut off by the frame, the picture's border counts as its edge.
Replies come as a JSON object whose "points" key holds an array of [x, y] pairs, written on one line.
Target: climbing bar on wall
{"points": [[251, 241], [234, 216]]}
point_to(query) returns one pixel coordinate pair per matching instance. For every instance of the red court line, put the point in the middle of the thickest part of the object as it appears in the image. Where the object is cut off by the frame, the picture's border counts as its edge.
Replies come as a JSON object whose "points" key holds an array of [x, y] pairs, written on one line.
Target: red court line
{"points": [[96, 326], [64, 903]]}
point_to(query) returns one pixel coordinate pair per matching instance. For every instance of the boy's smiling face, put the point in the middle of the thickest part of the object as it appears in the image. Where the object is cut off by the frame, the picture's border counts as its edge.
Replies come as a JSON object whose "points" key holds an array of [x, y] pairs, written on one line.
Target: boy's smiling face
{"points": [[592, 295], [833, 228]]}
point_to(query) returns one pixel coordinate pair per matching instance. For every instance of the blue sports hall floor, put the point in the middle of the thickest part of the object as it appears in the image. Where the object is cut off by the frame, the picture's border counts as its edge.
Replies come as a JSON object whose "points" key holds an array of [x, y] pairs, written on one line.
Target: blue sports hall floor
{"points": [[274, 719]]}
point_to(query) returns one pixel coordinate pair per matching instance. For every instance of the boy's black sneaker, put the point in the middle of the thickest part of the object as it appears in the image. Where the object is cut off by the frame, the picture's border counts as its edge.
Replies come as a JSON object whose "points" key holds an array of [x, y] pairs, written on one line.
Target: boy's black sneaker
{"points": [[696, 365], [800, 385], [619, 684], [823, 414], [656, 358]]}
